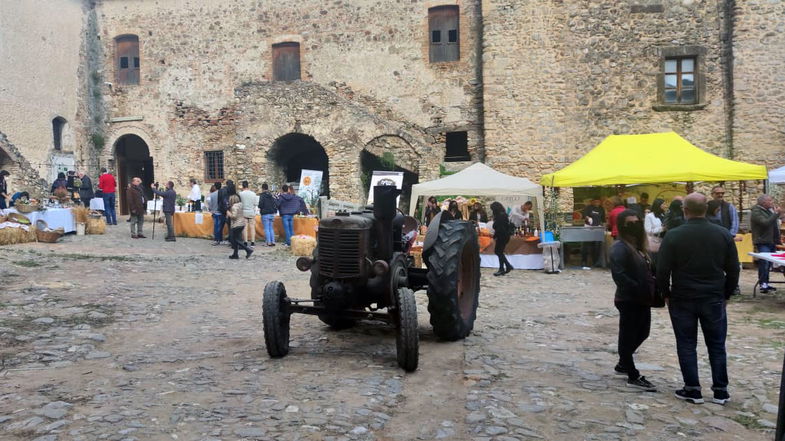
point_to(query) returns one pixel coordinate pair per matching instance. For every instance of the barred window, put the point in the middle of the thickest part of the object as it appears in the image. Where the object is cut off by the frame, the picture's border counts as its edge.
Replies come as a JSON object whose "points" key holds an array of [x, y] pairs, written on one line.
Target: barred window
{"points": [[214, 166]]}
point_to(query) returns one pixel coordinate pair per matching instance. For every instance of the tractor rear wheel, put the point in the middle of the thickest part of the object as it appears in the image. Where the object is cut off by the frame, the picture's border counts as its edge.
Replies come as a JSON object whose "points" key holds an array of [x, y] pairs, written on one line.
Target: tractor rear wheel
{"points": [[407, 339], [275, 317], [453, 280], [332, 321]]}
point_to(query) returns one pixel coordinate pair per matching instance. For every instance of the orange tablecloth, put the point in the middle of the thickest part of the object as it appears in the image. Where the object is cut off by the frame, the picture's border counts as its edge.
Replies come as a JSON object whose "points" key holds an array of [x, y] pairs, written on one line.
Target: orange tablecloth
{"points": [[185, 226], [517, 245]]}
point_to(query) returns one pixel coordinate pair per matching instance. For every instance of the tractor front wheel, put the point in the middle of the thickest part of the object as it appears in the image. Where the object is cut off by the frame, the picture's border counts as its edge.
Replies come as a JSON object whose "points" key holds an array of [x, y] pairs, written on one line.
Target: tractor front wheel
{"points": [[275, 316], [407, 339], [453, 280]]}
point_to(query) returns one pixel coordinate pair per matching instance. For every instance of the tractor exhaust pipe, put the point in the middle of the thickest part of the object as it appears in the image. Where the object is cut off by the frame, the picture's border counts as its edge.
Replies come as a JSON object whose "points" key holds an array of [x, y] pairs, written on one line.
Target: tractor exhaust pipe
{"points": [[385, 208]]}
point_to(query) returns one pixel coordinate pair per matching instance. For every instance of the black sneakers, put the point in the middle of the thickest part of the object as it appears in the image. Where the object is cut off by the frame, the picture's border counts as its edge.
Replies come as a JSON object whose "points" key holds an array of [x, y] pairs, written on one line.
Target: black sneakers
{"points": [[721, 397], [690, 396], [642, 383], [619, 370]]}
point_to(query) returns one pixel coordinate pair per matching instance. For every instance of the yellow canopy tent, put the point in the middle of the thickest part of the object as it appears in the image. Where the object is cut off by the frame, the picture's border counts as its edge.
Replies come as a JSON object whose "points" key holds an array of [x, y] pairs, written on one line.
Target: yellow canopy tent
{"points": [[650, 159]]}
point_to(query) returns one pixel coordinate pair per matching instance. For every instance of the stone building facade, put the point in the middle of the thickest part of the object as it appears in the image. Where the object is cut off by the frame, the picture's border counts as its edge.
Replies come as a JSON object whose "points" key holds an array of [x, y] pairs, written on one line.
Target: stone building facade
{"points": [[531, 85]]}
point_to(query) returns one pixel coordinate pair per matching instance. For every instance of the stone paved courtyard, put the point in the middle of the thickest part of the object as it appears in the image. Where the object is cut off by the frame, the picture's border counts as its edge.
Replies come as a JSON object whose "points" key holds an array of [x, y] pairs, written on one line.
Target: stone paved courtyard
{"points": [[104, 337]]}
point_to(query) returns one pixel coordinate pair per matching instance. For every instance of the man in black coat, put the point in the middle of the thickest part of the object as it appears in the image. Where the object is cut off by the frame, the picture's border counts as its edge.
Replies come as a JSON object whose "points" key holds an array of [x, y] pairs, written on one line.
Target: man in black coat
{"points": [[169, 198], [698, 269]]}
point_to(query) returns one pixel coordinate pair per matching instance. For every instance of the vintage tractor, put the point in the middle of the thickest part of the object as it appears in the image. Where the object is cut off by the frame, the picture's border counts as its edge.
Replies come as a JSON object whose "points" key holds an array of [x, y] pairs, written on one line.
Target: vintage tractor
{"points": [[361, 266]]}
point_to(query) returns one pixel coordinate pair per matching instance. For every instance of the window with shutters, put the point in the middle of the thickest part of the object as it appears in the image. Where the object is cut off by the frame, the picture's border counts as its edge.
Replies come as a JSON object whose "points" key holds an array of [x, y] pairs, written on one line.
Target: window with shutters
{"points": [[127, 59], [457, 147], [286, 61], [443, 34], [213, 166], [58, 124]]}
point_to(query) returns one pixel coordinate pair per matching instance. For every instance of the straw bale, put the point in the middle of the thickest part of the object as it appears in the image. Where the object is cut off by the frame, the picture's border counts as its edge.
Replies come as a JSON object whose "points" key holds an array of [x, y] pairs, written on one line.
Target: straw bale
{"points": [[303, 245], [10, 236]]}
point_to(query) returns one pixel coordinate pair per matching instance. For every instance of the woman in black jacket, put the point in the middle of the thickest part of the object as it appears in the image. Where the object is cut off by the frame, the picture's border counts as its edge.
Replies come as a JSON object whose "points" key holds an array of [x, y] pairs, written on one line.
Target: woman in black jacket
{"points": [[675, 215], [633, 273], [502, 230]]}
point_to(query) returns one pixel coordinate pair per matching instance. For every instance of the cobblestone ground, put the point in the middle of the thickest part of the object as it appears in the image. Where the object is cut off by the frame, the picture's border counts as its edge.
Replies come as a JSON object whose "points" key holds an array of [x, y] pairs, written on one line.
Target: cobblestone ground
{"points": [[104, 337]]}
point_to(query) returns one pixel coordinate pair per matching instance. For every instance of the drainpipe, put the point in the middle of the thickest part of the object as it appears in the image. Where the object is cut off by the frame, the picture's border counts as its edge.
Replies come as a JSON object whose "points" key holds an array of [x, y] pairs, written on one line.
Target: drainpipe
{"points": [[728, 11]]}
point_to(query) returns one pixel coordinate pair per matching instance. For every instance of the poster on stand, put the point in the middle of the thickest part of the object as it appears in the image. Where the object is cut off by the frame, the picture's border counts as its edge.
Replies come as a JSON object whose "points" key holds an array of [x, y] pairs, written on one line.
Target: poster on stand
{"points": [[310, 186], [378, 176]]}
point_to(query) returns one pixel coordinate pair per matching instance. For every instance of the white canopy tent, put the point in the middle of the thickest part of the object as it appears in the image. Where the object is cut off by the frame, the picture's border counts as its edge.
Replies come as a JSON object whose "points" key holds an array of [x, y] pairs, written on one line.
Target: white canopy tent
{"points": [[777, 176], [480, 180]]}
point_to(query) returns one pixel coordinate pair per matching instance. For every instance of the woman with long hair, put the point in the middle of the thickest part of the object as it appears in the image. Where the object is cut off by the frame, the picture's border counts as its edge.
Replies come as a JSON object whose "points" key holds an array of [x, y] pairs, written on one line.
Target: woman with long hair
{"points": [[675, 215], [478, 213], [236, 226], [633, 273], [653, 224], [431, 210], [454, 211], [502, 230]]}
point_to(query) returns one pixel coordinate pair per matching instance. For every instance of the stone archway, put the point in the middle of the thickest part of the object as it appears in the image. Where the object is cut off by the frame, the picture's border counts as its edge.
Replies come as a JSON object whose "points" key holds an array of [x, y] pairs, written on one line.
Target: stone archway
{"points": [[293, 152], [132, 156]]}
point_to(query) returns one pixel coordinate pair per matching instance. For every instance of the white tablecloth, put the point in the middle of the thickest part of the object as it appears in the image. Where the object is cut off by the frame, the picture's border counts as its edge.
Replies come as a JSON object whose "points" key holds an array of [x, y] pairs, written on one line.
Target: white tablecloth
{"points": [[518, 261], [54, 217], [97, 204]]}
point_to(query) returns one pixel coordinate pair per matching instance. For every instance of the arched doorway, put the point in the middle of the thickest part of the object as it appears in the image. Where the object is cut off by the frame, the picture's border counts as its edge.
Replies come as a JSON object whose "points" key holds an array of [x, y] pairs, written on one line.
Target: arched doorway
{"points": [[132, 157], [294, 152]]}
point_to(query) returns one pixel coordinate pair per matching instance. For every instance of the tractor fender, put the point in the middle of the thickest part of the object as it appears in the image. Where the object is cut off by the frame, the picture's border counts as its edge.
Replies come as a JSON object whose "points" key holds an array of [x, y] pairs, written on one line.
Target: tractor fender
{"points": [[433, 232]]}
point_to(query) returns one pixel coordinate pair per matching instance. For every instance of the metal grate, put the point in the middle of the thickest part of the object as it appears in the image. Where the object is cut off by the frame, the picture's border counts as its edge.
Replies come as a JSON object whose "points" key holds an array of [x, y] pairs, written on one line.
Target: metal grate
{"points": [[340, 253], [214, 165]]}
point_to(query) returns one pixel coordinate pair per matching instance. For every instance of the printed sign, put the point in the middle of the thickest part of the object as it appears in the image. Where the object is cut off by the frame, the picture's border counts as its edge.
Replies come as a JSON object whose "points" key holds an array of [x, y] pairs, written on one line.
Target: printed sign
{"points": [[379, 176], [310, 186]]}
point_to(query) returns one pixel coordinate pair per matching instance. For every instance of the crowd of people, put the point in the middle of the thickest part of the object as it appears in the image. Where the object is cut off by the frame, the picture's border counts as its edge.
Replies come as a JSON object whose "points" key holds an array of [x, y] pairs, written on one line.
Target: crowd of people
{"points": [[684, 256], [228, 207]]}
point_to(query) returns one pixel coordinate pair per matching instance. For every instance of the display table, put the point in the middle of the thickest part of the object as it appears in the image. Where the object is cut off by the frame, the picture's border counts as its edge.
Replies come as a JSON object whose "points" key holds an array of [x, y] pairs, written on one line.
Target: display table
{"points": [[185, 226], [54, 218], [521, 253], [584, 234], [768, 257]]}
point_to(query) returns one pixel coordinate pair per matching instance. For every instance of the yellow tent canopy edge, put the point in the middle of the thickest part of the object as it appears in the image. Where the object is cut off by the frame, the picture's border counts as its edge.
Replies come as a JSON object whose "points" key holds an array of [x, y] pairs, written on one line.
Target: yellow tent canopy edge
{"points": [[650, 159]]}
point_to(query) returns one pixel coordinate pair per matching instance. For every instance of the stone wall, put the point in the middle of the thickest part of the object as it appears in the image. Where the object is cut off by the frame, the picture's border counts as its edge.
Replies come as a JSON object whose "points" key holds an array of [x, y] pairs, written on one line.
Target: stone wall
{"points": [[759, 82], [369, 58], [560, 76], [40, 45]]}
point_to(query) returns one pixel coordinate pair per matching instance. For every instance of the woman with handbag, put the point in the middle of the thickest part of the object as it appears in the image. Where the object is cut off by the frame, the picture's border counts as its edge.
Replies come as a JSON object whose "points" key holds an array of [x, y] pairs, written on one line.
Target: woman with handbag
{"points": [[633, 273]]}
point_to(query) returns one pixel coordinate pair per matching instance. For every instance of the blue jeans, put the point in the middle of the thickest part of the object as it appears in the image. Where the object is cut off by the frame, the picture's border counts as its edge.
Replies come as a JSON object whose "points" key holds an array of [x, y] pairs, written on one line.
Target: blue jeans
{"points": [[269, 233], [685, 316], [288, 227], [109, 210], [764, 266], [219, 220]]}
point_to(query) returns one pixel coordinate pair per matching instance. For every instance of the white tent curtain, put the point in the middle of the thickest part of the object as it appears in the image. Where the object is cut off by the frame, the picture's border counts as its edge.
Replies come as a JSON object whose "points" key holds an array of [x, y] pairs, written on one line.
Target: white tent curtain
{"points": [[777, 176], [480, 180]]}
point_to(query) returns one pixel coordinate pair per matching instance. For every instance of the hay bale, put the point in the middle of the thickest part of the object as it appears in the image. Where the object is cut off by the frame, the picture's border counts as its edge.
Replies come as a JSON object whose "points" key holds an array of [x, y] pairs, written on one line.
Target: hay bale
{"points": [[11, 236], [303, 245], [96, 225], [80, 214]]}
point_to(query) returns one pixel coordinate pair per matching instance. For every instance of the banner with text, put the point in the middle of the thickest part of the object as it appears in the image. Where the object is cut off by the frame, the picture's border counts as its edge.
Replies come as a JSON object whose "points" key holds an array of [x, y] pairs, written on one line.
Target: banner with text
{"points": [[378, 176]]}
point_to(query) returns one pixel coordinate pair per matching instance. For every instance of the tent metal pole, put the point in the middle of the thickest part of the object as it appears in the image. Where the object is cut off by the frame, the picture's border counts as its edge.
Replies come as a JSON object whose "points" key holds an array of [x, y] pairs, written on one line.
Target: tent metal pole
{"points": [[780, 435]]}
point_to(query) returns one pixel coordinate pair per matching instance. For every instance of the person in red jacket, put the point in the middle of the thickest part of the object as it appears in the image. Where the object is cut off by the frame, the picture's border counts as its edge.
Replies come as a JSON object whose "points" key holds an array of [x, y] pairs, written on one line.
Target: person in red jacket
{"points": [[108, 187], [618, 207]]}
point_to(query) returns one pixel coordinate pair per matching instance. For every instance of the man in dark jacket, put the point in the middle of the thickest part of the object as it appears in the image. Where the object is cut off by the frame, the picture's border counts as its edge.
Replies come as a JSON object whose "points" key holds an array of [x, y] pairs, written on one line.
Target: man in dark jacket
{"points": [[267, 209], [169, 196], [136, 205], [698, 269], [86, 192], [765, 235]]}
